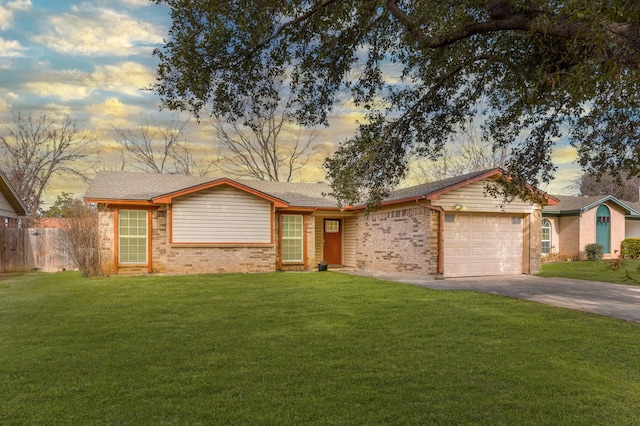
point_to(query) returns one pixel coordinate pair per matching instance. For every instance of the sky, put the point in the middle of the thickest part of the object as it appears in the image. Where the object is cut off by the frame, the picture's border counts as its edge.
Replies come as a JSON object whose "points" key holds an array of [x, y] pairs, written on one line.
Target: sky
{"points": [[92, 60]]}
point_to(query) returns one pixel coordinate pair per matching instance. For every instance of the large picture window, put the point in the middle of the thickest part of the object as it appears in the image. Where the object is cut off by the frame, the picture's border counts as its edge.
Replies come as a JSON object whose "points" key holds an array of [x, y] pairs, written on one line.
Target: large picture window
{"points": [[132, 235], [292, 238], [546, 236]]}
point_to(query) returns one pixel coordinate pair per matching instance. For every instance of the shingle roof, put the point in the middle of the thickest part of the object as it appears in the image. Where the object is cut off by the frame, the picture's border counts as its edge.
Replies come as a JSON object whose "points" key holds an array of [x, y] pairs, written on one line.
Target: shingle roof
{"points": [[431, 187], [131, 186], [117, 185], [569, 203], [297, 194]]}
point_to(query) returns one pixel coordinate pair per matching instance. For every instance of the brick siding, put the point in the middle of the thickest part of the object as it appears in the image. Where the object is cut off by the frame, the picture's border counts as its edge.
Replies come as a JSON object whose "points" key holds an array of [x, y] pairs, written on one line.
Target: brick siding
{"points": [[535, 242], [402, 240]]}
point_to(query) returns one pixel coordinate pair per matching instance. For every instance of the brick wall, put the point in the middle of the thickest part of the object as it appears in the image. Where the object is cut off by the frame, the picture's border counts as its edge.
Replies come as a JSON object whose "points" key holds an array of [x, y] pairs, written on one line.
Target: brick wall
{"points": [[107, 239], [535, 241], [188, 258], [160, 239], [194, 259], [401, 240]]}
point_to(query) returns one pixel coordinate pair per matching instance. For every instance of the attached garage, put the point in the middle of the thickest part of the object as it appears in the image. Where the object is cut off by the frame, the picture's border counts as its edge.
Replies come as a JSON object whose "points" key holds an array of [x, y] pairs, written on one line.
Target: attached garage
{"points": [[477, 244]]}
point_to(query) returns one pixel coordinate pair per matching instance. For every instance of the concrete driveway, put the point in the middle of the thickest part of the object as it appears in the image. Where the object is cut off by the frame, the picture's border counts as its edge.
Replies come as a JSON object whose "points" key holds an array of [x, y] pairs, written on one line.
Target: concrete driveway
{"points": [[612, 300]]}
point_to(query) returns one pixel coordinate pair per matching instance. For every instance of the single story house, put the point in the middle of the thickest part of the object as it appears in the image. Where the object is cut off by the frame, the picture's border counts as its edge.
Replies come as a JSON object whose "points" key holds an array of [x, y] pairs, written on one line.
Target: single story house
{"points": [[574, 222], [155, 223], [11, 206]]}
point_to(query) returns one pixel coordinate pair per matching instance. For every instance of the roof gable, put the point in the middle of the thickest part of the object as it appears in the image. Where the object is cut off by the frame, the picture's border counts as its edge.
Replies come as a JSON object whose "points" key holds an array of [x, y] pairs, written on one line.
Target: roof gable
{"points": [[12, 196], [433, 190], [117, 187], [168, 198], [575, 204]]}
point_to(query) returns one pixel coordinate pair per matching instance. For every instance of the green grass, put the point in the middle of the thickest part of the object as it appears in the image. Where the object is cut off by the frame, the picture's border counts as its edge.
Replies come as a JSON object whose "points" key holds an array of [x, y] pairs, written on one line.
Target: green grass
{"points": [[628, 273], [303, 348]]}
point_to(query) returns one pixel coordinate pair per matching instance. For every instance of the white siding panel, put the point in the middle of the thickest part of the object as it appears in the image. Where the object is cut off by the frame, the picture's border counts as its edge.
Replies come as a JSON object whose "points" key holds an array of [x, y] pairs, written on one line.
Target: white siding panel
{"points": [[319, 239], [471, 198], [5, 208], [221, 215], [349, 242]]}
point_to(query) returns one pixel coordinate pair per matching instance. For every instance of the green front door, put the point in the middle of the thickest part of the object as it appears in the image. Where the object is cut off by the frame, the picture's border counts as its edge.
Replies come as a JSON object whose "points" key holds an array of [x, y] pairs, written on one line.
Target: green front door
{"points": [[603, 228]]}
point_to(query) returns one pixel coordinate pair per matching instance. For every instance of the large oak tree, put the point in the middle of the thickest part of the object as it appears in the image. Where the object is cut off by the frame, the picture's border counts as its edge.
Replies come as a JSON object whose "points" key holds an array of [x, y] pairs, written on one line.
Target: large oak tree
{"points": [[544, 70]]}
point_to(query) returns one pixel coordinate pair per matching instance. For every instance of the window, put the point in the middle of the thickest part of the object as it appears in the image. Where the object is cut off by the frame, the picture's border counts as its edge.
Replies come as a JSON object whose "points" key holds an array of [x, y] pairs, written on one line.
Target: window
{"points": [[546, 236], [132, 231], [515, 220], [331, 226], [292, 238], [449, 218]]}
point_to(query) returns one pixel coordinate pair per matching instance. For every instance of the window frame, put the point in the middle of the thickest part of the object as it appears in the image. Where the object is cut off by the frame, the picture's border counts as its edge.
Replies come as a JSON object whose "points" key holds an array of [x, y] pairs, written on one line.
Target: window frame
{"points": [[286, 236], [138, 236], [542, 240]]}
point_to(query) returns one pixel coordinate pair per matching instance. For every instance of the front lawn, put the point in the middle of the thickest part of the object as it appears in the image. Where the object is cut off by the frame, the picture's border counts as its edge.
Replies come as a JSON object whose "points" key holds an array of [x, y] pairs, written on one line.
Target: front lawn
{"points": [[627, 273], [303, 348]]}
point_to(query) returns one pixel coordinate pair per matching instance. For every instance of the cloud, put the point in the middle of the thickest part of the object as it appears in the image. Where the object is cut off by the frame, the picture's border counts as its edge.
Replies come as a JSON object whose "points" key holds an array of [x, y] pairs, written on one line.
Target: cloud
{"points": [[113, 113], [22, 5], [6, 12], [564, 155], [126, 78], [135, 3], [564, 180], [4, 106], [63, 91], [10, 49], [93, 31]]}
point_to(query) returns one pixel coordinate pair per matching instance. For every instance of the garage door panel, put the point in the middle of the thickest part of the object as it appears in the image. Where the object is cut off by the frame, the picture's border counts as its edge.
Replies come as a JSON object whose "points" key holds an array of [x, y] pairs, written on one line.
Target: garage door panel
{"points": [[482, 244]]}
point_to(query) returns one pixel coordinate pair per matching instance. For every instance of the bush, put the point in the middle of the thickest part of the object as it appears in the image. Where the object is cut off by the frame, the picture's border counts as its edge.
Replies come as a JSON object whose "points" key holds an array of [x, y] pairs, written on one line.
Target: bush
{"points": [[593, 251], [630, 248], [615, 264], [555, 258], [81, 237]]}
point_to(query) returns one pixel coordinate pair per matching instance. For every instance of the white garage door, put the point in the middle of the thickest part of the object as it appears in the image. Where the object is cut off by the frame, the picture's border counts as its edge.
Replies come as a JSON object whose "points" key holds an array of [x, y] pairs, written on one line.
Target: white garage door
{"points": [[482, 244]]}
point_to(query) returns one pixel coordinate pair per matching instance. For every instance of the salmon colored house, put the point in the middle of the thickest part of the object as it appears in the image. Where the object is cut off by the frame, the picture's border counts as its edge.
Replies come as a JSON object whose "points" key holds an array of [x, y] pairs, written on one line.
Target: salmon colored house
{"points": [[574, 222], [154, 223]]}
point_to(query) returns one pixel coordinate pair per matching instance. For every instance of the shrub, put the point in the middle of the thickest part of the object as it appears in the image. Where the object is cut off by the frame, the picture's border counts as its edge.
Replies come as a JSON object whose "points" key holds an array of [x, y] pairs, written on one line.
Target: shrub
{"points": [[81, 237], [593, 251], [615, 264], [630, 248], [555, 257]]}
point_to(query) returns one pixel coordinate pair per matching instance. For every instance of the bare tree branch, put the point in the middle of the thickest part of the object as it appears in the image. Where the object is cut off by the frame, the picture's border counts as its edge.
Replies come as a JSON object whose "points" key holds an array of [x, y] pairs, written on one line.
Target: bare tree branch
{"points": [[255, 149], [162, 149], [35, 148]]}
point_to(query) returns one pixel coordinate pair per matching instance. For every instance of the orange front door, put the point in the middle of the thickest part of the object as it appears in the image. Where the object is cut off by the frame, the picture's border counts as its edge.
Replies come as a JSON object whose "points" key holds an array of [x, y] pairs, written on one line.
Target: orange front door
{"points": [[332, 235]]}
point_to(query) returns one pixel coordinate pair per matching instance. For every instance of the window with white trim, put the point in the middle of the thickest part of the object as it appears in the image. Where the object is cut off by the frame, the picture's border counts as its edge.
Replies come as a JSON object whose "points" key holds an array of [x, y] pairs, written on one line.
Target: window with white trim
{"points": [[546, 236], [292, 238], [132, 236]]}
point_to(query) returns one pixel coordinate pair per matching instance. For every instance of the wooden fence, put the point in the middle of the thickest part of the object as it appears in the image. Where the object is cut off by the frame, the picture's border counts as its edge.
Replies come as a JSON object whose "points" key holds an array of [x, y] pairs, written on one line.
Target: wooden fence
{"points": [[33, 249]]}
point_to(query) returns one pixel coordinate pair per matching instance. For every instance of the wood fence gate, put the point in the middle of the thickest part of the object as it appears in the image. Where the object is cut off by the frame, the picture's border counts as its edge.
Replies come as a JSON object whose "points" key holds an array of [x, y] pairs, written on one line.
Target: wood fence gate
{"points": [[33, 249]]}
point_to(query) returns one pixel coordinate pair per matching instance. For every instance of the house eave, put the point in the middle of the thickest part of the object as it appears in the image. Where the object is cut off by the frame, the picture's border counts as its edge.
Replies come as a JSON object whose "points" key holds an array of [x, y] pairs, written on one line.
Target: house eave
{"points": [[168, 198]]}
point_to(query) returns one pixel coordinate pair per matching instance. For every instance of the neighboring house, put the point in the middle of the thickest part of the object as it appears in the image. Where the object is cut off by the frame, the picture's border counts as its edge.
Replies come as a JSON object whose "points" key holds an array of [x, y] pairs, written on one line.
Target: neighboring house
{"points": [[155, 223], [11, 206], [574, 222]]}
